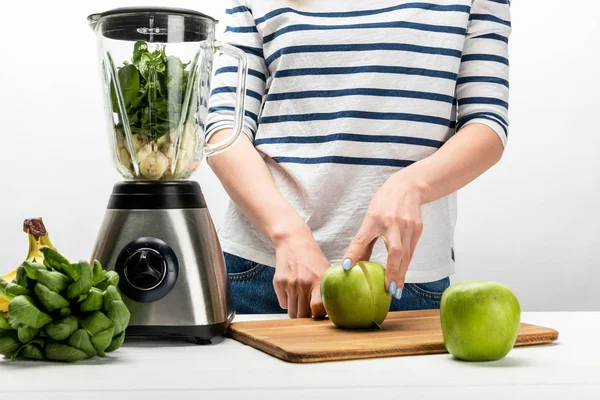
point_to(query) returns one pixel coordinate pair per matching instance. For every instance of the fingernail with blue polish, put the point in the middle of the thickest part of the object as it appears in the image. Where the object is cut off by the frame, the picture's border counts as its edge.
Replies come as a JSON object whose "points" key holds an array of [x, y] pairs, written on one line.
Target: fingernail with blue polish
{"points": [[398, 294], [347, 264], [392, 288]]}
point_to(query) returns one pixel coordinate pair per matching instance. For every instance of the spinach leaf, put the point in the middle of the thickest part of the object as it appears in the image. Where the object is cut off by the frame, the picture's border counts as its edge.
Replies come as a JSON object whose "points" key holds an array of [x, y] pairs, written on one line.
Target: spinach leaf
{"points": [[4, 325], [26, 334], [84, 283], [33, 351], [53, 280], [96, 322], [138, 48], [9, 342], [50, 300], [63, 352], [32, 268], [54, 260], [116, 342], [102, 340], [25, 312], [21, 277], [98, 274], [93, 302], [64, 312], [80, 339], [13, 290], [120, 315], [129, 82], [62, 329]]}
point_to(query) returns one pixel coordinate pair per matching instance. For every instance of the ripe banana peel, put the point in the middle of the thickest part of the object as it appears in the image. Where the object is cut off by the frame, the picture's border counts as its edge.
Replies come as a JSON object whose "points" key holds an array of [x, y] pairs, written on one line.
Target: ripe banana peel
{"points": [[37, 236]]}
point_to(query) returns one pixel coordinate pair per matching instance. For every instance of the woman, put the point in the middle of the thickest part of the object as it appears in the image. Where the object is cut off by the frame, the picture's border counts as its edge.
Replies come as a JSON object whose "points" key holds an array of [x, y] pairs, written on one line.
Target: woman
{"points": [[362, 121]]}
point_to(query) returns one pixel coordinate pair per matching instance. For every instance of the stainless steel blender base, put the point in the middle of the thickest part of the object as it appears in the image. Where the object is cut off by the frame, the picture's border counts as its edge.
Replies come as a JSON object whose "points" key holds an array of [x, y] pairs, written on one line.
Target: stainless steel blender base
{"points": [[198, 305]]}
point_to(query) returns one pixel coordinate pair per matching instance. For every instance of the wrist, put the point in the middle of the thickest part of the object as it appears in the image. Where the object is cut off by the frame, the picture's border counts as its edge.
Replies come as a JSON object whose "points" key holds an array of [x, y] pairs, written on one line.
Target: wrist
{"points": [[413, 183]]}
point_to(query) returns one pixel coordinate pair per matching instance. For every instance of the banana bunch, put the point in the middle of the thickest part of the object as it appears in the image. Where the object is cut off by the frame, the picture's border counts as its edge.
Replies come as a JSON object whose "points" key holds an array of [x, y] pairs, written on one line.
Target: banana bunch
{"points": [[38, 237]]}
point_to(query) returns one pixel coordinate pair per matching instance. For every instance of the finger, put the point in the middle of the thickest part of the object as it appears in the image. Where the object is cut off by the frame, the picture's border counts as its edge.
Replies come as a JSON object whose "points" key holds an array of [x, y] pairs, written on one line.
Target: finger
{"points": [[279, 284], [316, 303], [292, 296], [304, 302], [417, 232], [361, 247], [394, 245], [407, 233]]}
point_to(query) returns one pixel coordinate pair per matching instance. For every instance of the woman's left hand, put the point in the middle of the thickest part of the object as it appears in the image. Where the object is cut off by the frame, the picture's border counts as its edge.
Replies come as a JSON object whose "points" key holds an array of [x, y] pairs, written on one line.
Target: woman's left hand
{"points": [[395, 216]]}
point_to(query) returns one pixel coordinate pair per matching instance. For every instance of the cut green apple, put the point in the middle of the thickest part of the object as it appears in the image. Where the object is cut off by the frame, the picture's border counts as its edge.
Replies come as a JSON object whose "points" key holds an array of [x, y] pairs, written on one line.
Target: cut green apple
{"points": [[356, 299]]}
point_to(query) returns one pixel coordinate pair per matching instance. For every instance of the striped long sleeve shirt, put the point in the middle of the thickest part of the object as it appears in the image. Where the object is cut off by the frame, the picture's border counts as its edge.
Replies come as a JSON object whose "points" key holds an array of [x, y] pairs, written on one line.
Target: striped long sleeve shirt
{"points": [[344, 93]]}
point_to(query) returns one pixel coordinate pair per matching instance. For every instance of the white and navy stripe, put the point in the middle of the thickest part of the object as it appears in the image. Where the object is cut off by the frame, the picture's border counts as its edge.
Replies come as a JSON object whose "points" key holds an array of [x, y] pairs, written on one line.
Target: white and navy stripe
{"points": [[368, 87]]}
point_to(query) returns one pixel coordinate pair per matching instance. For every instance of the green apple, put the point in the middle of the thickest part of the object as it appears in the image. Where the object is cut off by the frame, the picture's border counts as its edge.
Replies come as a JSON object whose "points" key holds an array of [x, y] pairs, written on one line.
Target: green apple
{"points": [[356, 299], [480, 320]]}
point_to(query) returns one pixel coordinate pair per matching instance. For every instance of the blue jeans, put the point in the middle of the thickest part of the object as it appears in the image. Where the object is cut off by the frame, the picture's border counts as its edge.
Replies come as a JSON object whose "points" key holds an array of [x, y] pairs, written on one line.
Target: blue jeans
{"points": [[253, 292]]}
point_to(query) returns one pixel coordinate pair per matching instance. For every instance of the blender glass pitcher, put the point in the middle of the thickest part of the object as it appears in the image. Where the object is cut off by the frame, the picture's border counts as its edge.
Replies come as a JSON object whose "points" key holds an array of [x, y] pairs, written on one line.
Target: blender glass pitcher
{"points": [[157, 66]]}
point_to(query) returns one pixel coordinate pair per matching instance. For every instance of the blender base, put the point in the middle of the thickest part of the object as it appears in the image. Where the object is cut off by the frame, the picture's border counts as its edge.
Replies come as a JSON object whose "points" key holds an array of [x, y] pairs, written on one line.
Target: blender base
{"points": [[200, 335], [160, 239]]}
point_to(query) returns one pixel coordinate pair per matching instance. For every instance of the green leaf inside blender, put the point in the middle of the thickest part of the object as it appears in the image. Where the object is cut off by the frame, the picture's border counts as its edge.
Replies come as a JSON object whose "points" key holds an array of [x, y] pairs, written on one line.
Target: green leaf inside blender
{"points": [[152, 87]]}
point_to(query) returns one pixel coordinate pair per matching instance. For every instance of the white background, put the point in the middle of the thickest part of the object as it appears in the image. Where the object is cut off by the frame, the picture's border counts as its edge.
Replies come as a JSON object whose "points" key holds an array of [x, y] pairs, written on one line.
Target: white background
{"points": [[533, 222]]}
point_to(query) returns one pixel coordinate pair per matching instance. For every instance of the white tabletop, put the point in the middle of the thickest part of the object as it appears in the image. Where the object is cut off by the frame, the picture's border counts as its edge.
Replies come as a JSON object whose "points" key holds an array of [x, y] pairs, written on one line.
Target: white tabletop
{"points": [[148, 370]]}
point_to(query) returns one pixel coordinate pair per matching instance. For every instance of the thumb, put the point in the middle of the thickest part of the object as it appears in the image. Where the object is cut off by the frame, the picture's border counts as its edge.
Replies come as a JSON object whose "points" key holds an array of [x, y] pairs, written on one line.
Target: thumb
{"points": [[316, 303], [360, 249]]}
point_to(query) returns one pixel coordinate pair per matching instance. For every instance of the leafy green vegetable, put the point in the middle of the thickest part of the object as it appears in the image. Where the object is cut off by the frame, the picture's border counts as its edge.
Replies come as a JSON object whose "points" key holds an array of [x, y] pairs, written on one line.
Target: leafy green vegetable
{"points": [[102, 340], [153, 88], [83, 284], [50, 300], [3, 285], [80, 339], [12, 321], [64, 312], [62, 329], [93, 302], [53, 259], [120, 315], [98, 274], [32, 268], [25, 312], [112, 279], [33, 351], [26, 334], [9, 342], [116, 342], [53, 280], [63, 352], [4, 325], [21, 277], [13, 290], [96, 322], [56, 313]]}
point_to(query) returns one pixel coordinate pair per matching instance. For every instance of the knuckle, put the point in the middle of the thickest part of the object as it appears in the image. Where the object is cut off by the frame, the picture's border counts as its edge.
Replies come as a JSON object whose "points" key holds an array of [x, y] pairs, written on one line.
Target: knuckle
{"points": [[374, 215], [395, 249], [390, 219]]}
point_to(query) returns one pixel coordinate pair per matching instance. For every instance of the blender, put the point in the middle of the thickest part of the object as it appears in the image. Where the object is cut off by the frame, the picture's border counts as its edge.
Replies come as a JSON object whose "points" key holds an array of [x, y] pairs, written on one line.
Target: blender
{"points": [[157, 232]]}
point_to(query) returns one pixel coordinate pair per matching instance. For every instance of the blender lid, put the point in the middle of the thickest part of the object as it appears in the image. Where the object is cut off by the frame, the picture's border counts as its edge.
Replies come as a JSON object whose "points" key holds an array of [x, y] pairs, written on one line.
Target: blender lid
{"points": [[124, 23]]}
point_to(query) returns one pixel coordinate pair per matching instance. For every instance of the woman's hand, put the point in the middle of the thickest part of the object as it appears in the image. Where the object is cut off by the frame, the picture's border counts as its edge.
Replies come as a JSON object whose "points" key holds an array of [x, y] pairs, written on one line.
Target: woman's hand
{"points": [[395, 216], [300, 266]]}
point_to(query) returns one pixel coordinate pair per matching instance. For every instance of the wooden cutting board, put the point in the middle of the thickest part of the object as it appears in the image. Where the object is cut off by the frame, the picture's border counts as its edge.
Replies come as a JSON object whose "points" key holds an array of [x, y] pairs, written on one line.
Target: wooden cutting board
{"points": [[403, 333]]}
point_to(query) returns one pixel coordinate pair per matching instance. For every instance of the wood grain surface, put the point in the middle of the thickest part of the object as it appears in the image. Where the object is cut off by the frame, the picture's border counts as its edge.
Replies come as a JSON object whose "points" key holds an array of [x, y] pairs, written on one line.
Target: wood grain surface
{"points": [[403, 333]]}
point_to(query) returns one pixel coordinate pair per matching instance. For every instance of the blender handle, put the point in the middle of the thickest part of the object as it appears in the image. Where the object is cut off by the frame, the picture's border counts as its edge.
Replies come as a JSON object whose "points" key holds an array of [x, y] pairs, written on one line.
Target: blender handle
{"points": [[240, 111]]}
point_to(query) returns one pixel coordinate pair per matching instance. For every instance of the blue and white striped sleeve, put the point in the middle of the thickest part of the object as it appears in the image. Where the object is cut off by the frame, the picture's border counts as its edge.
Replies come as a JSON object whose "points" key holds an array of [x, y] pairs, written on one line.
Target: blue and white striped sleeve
{"points": [[482, 87], [242, 33]]}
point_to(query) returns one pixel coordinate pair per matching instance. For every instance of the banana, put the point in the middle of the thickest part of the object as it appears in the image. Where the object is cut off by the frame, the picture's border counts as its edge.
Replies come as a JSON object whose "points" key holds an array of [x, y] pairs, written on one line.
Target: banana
{"points": [[37, 236]]}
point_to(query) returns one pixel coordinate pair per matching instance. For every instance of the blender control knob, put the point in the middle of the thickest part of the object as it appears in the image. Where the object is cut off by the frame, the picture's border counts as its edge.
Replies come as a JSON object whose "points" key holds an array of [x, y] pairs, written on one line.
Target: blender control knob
{"points": [[148, 268], [145, 269]]}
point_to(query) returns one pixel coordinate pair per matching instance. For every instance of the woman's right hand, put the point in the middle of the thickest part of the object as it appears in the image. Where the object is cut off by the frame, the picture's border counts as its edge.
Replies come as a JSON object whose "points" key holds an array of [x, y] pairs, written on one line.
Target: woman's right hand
{"points": [[300, 264]]}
